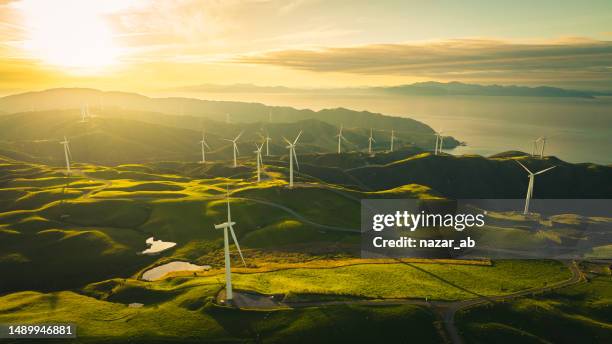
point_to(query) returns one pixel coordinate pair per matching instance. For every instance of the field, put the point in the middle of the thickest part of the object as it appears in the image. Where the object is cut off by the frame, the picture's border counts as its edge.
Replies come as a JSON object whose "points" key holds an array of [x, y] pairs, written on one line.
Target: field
{"points": [[577, 314], [71, 244], [189, 317]]}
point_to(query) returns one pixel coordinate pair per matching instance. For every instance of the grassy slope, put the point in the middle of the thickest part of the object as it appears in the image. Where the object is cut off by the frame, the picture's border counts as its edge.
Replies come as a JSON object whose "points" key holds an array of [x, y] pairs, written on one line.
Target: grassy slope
{"points": [[407, 280], [577, 314], [478, 177], [103, 321]]}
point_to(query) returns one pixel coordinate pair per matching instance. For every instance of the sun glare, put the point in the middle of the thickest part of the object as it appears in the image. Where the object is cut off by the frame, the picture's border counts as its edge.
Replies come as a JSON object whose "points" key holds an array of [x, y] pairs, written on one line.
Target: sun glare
{"points": [[70, 34]]}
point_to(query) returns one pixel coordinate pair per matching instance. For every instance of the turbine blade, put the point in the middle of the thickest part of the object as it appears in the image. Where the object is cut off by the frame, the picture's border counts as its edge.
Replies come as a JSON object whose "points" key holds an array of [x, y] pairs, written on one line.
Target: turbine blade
{"points": [[298, 137], [548, 169], [288, 142], [523, 166], [236, 148], [295, 157], [237, 137], [69, 152], [236, 242]]}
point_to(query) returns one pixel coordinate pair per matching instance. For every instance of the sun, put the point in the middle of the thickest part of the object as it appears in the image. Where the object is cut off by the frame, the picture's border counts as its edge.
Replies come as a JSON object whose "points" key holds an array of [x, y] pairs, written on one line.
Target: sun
{"points": [[70, 34]]}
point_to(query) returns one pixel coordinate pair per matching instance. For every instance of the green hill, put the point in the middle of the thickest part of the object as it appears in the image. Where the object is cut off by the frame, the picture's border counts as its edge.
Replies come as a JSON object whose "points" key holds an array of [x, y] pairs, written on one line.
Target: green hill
{"points": [[118, 138], [190, 112], [479, 177]]}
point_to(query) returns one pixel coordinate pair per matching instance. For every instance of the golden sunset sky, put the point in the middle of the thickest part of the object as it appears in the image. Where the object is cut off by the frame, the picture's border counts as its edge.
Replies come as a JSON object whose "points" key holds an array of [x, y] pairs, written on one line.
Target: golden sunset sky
{"points": [[148, 45]]}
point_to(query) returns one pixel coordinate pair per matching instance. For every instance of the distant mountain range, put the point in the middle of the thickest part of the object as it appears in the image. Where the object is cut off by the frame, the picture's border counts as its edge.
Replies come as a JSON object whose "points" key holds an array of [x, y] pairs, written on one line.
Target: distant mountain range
{"points": [[430, 88]]}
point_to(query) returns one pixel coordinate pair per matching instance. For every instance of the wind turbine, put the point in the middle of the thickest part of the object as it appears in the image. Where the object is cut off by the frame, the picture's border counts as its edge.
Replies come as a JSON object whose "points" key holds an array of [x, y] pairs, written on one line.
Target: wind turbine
{"points": [[85, 113], [392, 139], [543, 140], [535, 146], [67, 153], [439, 142], [235, 149], [340, 138], [370, 140], [292, 156], [228, 271], [267, 139], [531, 182], [204, 145], [259, 160]]}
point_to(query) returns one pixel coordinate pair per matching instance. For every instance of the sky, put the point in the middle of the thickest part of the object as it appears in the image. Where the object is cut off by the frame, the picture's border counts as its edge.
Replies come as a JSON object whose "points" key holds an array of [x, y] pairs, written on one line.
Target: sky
{"points": [[152, 45]]}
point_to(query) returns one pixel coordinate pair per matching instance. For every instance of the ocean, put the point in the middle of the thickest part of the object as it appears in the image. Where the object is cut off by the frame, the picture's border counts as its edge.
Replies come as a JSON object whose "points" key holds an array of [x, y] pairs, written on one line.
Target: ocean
{"points": [[578, 130]]}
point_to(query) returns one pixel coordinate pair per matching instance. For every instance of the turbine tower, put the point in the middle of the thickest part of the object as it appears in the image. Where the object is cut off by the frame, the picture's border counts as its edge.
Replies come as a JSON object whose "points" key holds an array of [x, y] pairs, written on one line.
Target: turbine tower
{"points": [[228, 271], [292, 156], [204, 145], [259, 161], [67, 153], [370, 140], [531, 182], [340, 138], [392, 139], [235, 149]]}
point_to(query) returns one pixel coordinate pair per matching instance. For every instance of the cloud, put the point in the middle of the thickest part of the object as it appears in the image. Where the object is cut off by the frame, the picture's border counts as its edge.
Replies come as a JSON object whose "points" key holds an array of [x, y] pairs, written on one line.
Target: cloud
{"points": [[570, 59]]}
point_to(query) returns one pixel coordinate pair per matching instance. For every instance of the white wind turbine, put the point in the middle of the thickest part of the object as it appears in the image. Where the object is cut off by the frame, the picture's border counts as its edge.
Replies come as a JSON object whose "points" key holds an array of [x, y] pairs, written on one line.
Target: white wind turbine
{"points": [[370, 140], [229, 224], [267, 139], [67, 153], [204, 145], [235, 148], [542, 140], [439, 142], [531, 182], [535, 146], [392, 139], [85, 116], [340, 138], [292, 156], [259, 160]]}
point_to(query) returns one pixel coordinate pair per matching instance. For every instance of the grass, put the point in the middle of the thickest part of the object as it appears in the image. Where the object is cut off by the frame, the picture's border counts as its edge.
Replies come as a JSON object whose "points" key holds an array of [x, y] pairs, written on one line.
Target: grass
{"points": [[188, 318], [397, 280], [84, 237], [577, 314]]}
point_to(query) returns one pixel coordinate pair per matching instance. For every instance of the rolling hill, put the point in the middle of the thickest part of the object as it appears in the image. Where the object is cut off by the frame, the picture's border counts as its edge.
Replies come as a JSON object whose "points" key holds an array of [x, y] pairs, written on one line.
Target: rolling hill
{"points": [[123, 136], [115, 104]]}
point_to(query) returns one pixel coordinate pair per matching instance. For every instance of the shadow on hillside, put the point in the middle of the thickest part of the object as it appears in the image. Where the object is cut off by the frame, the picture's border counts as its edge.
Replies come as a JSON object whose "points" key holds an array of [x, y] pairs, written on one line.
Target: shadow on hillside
{"points": [[443, 280]]}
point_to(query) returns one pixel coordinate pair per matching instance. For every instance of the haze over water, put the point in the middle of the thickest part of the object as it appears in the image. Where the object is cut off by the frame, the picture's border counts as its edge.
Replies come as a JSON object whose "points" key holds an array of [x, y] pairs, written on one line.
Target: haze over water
{"points": [[579, 130]]}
